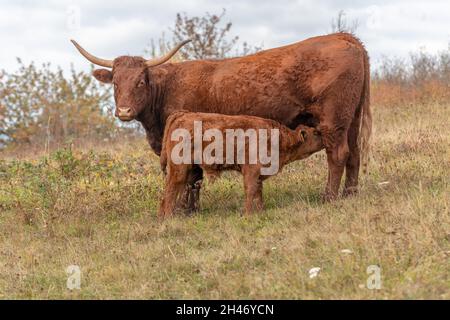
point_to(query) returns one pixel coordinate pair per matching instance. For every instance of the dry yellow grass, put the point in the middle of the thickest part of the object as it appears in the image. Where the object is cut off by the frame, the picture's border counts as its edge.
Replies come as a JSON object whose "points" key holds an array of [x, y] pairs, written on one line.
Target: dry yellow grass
{"points": [[98, 211]]}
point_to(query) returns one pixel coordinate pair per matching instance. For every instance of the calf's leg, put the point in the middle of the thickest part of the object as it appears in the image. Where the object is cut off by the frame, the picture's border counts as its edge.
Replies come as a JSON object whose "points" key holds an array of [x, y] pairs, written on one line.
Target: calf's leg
{"points": [[191, 197], [259, 204], [253, 189], [175, 183], [195, 182]]}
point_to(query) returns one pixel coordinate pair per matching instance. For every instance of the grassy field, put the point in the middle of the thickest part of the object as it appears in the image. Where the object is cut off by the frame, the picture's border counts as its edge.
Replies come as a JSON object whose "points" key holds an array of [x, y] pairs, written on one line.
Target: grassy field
{"points": [[97, 209]]}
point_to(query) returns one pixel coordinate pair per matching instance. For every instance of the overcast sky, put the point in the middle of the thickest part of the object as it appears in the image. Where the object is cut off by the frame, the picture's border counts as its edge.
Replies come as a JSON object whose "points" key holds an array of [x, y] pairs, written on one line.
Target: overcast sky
{"points": [[109, 28]]}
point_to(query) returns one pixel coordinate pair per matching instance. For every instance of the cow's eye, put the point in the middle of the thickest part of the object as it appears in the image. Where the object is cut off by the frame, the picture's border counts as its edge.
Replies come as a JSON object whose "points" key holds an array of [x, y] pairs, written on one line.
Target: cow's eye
{"points": [[141, 83]]}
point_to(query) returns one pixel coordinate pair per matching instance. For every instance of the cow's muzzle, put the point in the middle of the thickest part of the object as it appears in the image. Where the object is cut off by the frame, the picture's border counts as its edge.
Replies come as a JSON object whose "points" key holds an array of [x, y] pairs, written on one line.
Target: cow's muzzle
{"points": [[125, 114]]}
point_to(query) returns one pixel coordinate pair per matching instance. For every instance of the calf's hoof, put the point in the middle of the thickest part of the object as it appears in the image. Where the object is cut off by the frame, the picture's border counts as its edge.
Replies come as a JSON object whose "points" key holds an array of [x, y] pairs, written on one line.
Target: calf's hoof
{"points": [[160, 216], [329, 197], [190, 211]]}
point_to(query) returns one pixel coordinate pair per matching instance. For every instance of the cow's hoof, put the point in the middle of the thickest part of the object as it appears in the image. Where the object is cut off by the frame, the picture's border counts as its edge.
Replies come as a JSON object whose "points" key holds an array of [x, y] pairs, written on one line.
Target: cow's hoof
{"points": [[350, 191]]}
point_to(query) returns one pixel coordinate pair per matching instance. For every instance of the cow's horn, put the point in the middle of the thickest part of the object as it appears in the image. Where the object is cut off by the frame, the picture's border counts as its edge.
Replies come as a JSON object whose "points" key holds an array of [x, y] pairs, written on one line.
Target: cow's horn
{"points": [[91, 58], [158, 61]]}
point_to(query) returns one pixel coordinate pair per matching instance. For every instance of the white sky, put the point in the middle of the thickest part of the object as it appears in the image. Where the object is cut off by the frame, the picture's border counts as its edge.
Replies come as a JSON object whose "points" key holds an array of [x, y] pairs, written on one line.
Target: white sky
{"points": [[109, 28]]}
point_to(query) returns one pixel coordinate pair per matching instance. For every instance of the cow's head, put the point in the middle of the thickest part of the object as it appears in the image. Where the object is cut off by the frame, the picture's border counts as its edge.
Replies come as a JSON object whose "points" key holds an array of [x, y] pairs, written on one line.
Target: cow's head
{"points": [[131, 79]]}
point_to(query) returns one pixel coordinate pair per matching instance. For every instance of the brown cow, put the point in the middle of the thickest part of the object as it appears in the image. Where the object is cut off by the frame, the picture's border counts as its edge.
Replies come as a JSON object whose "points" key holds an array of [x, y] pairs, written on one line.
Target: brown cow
{"points": [[291, 145], [322, 82]]}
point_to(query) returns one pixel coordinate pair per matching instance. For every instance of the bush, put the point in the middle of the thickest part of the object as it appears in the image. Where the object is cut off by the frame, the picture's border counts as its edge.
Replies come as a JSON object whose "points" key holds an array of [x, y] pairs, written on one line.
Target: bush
{"points": [[422, 78], [46, 107]]}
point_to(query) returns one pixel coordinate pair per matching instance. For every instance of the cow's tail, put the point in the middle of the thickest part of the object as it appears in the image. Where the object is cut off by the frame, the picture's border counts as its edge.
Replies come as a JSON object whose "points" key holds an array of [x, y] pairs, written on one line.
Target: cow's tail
{"points": [[365, 130]]}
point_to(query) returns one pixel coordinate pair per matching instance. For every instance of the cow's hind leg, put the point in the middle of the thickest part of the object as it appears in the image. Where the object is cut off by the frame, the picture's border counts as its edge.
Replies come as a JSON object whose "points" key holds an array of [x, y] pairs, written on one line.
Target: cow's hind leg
{"points": [[334, 129], [353, 161], [338, 114], [337, 156]]}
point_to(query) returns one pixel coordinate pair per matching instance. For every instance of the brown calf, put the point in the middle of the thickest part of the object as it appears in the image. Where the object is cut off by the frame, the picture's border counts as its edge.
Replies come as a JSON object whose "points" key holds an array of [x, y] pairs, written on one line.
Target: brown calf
{"points": [[292, 145]]}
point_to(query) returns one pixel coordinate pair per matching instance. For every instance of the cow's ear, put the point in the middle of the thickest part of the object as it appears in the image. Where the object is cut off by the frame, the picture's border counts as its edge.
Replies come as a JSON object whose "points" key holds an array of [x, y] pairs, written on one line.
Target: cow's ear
{"points": [[103, 75]]}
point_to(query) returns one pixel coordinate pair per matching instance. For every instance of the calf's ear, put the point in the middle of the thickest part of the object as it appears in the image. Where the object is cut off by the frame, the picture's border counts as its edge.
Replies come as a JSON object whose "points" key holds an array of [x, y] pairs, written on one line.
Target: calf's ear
{"points": [[302, 135], [103, 75]]}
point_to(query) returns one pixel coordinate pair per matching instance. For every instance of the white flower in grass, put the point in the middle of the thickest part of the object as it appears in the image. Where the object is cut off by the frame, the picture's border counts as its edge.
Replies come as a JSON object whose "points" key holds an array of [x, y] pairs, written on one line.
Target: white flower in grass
{"points": [[314, 272]]}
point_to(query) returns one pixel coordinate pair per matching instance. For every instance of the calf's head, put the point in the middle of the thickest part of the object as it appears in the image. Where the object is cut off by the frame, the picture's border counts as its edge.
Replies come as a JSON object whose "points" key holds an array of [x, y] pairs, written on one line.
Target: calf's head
{"points": [[310, 141], [131, 77]]}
